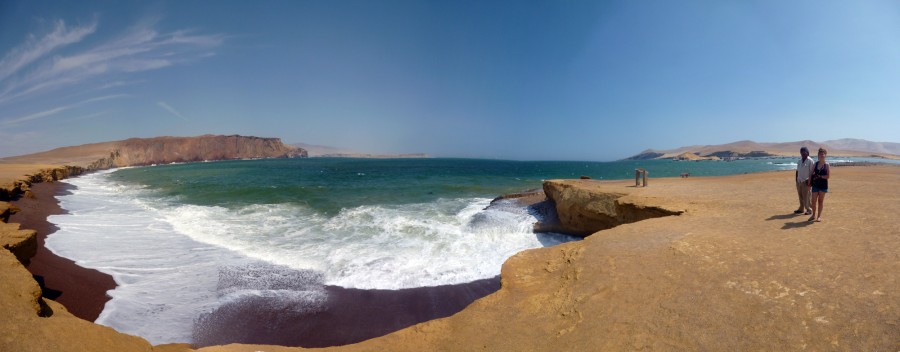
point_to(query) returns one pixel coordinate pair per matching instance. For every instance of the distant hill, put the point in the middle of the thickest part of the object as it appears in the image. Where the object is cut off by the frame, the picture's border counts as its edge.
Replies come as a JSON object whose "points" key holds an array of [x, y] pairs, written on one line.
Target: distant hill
{"points": [[333, 152], [840, 147], [161, 150], [862, 145]]}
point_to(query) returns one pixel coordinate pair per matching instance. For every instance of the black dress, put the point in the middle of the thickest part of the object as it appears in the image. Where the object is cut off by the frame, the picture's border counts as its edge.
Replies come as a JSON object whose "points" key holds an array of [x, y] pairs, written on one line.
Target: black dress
{"points": [[818, 181]]}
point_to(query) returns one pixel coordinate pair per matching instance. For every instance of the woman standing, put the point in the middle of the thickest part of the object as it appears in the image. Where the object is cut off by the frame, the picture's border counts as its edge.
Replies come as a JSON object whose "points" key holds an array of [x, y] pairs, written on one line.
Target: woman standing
{"points": [[821, 172]]}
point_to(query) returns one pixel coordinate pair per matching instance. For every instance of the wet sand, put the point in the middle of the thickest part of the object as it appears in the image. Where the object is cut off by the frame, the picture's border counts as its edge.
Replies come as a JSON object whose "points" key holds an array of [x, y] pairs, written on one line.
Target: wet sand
{"points": [[349, 316]]}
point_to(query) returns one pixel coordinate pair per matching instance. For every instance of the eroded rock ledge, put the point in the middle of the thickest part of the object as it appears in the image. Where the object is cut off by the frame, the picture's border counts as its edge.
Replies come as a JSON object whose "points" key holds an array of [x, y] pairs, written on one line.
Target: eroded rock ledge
{"points": [[22, 187], [583, 211]]}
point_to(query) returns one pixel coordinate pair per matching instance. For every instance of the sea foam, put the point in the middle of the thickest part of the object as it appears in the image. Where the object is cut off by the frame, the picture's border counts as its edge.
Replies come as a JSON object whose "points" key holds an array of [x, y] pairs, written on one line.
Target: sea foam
{"points": [[173, 262]]}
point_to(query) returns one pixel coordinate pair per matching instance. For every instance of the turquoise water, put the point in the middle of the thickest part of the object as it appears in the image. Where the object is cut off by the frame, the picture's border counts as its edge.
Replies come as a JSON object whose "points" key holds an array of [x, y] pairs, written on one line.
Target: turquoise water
{"points": [[331, 184]]}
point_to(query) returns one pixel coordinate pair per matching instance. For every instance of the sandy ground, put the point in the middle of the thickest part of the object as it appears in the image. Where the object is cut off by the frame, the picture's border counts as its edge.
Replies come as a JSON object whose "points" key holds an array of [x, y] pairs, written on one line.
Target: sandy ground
{"points": [[736, 271]]}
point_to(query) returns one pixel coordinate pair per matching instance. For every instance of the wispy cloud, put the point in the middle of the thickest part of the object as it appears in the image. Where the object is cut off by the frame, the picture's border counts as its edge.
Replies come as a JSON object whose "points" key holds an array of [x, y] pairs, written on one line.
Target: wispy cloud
{"points": [[89, 116], [30, 70], [56, 110], [170, 109], [35, 48], [115, 84]]}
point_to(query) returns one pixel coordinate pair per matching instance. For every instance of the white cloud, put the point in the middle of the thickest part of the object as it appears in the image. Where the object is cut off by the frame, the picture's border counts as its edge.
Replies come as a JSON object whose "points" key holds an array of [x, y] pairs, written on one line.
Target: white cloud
{"points": [[170, 109], [34, 49], [115, 84], [36, 116], [56, 110], [141, 48], [89, 116]]}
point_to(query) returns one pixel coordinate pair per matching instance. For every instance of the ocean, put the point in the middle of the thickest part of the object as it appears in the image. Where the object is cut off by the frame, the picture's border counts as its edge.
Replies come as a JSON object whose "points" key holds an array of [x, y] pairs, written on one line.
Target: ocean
{"points": [[181, 240]]}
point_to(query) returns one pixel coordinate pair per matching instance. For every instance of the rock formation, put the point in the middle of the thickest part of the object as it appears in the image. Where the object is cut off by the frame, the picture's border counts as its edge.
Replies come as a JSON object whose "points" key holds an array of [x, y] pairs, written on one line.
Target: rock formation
{"points": [[22, 243], [583, 212]]}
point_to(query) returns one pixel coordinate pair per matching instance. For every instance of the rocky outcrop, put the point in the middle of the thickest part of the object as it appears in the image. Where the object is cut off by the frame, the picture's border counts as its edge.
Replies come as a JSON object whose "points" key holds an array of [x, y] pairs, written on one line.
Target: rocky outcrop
{"points": [[646, 155], [22, 187], [693, 157], [56, 174], [7, 210], [22, 243], [583, 211]]}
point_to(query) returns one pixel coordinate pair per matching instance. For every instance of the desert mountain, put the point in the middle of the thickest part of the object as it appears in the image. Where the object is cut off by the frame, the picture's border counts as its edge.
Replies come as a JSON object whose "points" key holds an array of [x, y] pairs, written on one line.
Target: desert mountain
{"points": [[841, 147], [862, 145], [161, 150]]}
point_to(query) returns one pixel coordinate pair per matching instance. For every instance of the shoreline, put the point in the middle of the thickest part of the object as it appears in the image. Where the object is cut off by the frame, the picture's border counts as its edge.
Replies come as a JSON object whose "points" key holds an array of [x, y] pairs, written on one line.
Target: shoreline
{"points": [[81, 290], [349, 315]]}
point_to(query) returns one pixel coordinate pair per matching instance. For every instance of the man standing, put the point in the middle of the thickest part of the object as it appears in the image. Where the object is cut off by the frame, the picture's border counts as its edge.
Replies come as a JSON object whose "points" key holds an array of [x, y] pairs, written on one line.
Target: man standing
{"points": [[801, 177]]}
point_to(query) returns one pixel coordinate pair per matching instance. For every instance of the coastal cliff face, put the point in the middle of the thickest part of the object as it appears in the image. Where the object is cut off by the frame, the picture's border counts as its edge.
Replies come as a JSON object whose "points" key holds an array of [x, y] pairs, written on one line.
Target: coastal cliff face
{"points": [[16, 188], [583, 211], [22, 243], [164, 150], [161, 150]]}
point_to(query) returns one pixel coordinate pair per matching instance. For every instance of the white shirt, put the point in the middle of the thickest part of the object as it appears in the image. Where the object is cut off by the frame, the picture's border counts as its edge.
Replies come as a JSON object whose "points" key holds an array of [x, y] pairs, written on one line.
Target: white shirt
{"points": [[804, 169]]}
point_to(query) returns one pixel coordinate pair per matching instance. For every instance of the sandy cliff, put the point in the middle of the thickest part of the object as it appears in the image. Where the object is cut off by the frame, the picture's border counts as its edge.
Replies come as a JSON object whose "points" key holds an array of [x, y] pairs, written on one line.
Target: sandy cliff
{"points": [[735, 270]]}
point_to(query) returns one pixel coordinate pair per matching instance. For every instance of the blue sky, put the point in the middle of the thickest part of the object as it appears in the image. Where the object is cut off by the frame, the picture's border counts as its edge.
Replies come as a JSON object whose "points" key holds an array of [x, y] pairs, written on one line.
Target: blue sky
{"points": [[532, 80]]}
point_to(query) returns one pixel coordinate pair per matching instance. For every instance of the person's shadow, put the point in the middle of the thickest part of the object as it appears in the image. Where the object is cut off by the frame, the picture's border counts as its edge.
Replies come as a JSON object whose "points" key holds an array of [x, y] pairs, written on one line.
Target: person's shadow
{"points": [[782, 217], [794, 225], [790, 225]]}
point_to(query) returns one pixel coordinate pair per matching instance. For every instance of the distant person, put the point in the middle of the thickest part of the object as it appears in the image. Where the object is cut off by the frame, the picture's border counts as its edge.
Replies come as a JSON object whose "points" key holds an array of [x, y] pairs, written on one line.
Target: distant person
{"points": [[802, 178], [821, 173]]}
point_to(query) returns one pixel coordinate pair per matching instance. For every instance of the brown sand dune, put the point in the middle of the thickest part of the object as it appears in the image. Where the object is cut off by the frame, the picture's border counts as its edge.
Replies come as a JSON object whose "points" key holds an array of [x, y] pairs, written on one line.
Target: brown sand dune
{"points": [[735, 271]]}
